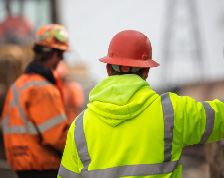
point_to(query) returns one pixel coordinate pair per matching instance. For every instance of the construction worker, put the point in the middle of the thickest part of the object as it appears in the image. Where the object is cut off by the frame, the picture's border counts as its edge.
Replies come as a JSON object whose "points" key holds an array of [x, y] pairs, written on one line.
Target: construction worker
{"points": [[128, 130], [73, 93], [33, 118]]}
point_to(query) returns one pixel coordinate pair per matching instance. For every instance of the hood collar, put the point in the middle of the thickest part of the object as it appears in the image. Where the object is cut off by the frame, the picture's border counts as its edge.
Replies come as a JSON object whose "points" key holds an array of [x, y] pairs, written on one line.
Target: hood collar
{"points": [[35, 68]]}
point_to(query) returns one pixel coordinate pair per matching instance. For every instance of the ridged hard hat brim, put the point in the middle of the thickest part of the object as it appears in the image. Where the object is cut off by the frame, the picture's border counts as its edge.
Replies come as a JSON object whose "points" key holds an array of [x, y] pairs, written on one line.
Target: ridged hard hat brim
{"points": [[130, 62], [61, 47]]}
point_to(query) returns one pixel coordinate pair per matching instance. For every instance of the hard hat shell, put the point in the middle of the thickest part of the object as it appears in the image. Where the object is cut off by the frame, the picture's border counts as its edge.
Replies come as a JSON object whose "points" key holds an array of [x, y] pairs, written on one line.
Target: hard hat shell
{"points": [[53, 36], [130, 48]]}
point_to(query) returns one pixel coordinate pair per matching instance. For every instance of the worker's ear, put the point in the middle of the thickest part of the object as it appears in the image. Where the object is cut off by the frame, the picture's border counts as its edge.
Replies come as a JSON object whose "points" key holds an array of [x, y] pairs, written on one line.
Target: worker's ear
{"points": [[108, 69], [145, 73]]}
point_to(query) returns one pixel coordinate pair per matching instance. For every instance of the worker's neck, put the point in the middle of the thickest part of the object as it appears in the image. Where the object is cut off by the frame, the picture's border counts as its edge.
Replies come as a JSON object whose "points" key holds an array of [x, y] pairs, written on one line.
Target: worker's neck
{"points": [[46, 64]]}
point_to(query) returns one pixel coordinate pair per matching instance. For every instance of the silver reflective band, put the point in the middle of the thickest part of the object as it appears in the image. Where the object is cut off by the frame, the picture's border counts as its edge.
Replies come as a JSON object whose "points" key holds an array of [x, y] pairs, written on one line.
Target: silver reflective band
{"points": [[51, 123], [80, 141], [132, 170], [4, 123], [168, 117], [29, 126], [123, 171], [210, 117], [65, 173], [16, 100], [12, 104], [36, 83]]}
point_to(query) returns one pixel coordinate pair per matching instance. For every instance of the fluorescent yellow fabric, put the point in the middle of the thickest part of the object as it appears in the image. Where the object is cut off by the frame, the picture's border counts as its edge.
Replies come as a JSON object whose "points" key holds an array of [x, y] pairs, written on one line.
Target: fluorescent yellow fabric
{"points": [[124, 125]]}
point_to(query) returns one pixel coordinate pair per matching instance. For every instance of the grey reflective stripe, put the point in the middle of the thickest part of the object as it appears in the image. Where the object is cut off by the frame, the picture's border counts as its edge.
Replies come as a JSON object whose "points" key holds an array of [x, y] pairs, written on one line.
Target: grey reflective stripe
{"points": [[12, 104], [65, 173], [39, 83], [16, 100], [168, 117], [123, 171], [4, 123], [29, 126], [133, 170], [80, 141], [15, 129], [210, 117], [51, 123]]}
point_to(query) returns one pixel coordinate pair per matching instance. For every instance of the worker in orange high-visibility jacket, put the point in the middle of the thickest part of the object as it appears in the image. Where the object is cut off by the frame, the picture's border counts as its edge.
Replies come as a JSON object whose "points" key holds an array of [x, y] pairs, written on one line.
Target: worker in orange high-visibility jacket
{"points": [[33, 118], [130, 131], [72, 92]]}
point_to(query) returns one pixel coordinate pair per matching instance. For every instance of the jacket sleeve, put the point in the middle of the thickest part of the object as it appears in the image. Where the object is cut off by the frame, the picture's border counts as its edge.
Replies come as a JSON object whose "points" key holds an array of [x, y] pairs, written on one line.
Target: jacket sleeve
{"points": [[46, 110], [70, 162], [198, 122]]}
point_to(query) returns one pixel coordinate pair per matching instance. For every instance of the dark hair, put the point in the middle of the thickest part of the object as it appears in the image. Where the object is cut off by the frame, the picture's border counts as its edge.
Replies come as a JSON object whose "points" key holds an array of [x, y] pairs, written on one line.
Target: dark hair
{"points": [[42, 53], [139, 73]]}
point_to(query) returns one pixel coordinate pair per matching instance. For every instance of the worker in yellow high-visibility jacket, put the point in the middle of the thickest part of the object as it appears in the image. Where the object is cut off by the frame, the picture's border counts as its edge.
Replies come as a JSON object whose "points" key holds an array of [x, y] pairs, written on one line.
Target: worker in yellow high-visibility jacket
{"points": [[130, 131]]}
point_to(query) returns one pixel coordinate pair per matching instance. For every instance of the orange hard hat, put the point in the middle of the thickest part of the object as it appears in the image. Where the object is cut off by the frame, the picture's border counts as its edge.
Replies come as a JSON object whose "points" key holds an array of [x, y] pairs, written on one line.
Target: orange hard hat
{"points": [[52, 36], [130, 48]]}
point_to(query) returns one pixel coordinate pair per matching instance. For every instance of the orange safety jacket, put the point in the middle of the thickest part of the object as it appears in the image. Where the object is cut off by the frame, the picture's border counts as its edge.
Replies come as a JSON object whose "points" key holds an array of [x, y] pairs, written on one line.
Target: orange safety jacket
{"points": [[34, 124], [73, 96]]}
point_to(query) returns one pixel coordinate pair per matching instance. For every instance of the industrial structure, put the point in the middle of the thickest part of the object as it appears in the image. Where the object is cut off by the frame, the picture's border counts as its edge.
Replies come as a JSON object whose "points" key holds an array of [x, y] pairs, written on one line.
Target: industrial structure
{"points": [[183, 53], [182, 50]]}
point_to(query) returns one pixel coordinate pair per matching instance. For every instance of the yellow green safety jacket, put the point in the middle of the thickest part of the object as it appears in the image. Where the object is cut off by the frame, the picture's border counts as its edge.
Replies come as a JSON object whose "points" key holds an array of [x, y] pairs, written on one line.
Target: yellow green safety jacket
{"points": [[130, 131]]}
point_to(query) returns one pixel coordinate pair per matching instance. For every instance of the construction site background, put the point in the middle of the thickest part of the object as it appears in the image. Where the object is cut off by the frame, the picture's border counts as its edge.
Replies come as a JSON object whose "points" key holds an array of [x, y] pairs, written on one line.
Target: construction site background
{"points": [[16, 51]]}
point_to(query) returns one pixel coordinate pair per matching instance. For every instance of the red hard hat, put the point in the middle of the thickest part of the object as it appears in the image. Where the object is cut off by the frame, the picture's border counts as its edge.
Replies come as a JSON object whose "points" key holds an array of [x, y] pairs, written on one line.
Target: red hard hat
{"points": [[52, 36], [130, 48]]}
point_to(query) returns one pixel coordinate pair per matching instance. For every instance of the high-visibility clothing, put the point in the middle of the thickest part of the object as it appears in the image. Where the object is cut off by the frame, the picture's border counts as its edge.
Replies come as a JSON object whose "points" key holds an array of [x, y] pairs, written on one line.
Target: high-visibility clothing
{"points": [[34, 124], [130, 131], [73, 99]]}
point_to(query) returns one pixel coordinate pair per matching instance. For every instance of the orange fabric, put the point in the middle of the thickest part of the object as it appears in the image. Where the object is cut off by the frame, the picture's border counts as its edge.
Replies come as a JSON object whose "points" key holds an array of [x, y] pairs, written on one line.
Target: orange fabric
{"points": [[73, 99], [40, 103], [59, 84]]}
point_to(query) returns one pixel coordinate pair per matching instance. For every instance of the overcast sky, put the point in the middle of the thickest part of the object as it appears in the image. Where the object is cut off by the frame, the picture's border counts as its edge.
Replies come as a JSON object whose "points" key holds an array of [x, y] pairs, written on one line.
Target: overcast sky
{"points": [[92, 24]]}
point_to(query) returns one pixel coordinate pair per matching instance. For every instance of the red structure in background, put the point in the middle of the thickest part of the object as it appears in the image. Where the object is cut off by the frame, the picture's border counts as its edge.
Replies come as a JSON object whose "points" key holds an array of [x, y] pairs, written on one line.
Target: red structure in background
{"points": [[15, 29]]}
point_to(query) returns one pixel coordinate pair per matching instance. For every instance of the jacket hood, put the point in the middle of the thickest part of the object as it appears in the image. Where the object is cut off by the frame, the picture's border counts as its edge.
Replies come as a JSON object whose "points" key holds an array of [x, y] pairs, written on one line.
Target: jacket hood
{"points": [[121, 97]]}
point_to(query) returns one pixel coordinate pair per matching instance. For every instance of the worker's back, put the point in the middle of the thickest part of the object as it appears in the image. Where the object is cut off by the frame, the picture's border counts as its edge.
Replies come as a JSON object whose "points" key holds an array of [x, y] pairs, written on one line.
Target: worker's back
{"points": [[135, 144], [31, 141], [130, 131]]}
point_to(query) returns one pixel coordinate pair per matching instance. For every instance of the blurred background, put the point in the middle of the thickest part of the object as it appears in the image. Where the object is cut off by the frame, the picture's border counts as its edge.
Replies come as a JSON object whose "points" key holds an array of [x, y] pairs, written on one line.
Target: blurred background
{"points": [[187, 38]]}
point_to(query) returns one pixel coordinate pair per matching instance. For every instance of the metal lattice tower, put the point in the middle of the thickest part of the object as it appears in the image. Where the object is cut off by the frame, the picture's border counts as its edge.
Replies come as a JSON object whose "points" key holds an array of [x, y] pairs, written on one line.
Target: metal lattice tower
{"points": [[182, 59]]}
